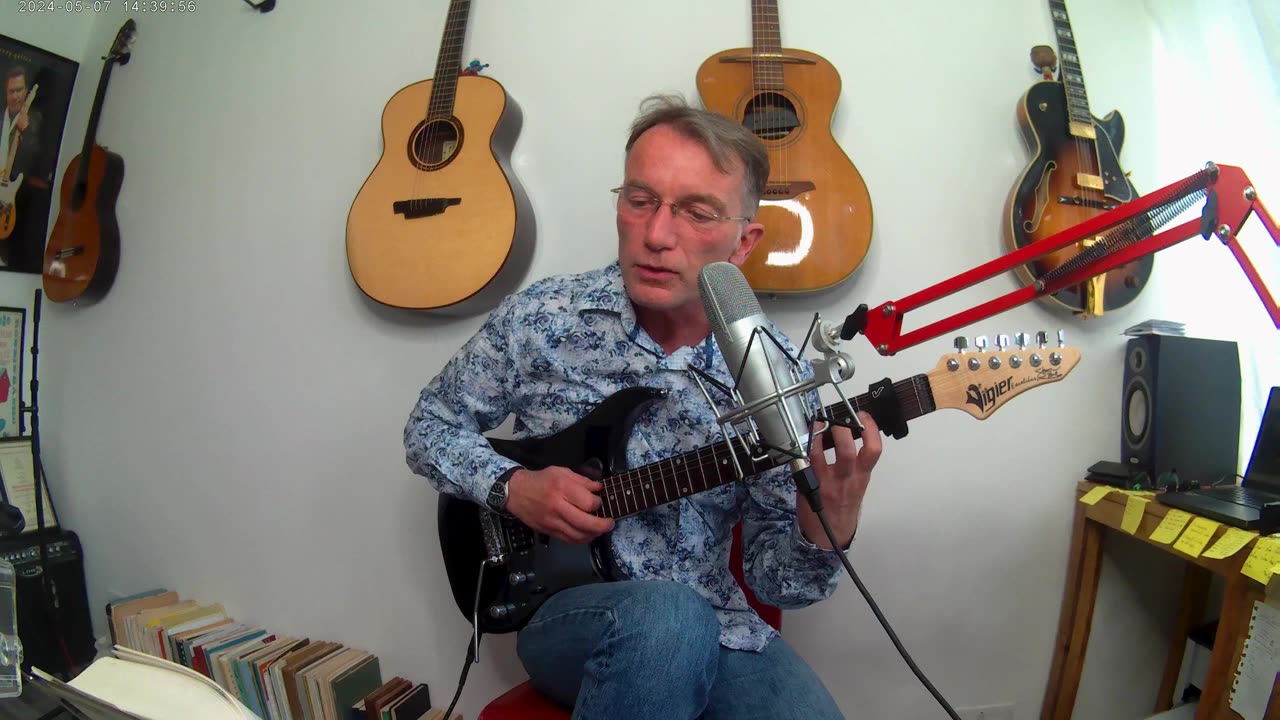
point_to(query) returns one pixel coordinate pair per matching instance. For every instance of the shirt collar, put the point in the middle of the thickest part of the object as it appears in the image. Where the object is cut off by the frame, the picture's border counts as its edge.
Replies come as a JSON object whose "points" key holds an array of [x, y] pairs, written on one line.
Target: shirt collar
{"points": [[608, 294]]}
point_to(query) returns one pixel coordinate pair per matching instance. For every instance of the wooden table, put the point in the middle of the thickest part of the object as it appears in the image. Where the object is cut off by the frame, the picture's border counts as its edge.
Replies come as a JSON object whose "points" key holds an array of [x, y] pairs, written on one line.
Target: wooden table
{"points": [[1081, 592]]}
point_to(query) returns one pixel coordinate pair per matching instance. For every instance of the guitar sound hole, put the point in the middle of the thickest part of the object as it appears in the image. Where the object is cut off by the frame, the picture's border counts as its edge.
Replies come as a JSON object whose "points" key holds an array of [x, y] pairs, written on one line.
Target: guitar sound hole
{"points": [[771, 116], [435, 143]]}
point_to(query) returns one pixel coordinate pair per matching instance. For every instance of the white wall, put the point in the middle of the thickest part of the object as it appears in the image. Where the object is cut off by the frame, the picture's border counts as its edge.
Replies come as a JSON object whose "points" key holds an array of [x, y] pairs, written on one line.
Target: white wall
{"points": [[227, 422]]}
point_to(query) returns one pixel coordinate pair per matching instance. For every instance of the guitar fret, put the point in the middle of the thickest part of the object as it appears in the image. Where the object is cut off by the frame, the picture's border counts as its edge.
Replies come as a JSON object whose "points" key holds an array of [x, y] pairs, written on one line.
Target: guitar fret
{"points": [[702, 470], [648, 485]]}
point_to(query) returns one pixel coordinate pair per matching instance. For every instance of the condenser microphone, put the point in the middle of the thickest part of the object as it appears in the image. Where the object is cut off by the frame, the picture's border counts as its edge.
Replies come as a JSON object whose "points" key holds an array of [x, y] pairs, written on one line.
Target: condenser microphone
{"points": [[764, 373]]}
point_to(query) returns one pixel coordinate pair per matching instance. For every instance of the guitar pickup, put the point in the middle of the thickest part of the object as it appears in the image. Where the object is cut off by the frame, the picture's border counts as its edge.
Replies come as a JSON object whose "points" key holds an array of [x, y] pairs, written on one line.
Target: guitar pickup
{"points": [[1089, 182], [422, 207]]}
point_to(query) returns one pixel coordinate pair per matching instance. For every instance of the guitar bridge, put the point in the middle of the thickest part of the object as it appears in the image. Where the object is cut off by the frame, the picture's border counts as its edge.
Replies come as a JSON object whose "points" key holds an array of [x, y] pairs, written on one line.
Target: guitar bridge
{"points": [[1085, 202], [422, 207], [786, 191]]}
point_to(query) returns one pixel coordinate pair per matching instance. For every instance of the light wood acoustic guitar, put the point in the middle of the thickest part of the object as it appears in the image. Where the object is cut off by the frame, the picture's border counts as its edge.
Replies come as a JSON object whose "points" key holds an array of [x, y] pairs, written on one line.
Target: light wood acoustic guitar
{"points": [[816, 208], [441, 216]]}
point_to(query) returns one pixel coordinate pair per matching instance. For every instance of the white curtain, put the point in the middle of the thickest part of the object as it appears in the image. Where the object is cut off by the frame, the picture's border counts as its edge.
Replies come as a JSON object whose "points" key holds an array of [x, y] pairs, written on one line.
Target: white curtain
{"points": [[1216, 66]]}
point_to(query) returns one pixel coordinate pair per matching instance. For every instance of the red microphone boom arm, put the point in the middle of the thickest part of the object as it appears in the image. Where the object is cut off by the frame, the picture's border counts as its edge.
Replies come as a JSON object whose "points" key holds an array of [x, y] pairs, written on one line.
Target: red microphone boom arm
{"points": [[1230, 200]]}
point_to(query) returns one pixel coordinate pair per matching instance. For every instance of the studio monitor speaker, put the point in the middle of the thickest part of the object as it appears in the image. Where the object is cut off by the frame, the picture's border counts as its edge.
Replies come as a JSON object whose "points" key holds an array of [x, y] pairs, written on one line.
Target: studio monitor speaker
{"points": [[1181, 407]]}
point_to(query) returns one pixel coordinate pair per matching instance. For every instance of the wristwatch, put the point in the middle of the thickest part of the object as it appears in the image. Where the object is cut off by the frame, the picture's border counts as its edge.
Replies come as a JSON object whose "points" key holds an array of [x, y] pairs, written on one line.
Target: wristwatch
{"points": [[497, 498]]}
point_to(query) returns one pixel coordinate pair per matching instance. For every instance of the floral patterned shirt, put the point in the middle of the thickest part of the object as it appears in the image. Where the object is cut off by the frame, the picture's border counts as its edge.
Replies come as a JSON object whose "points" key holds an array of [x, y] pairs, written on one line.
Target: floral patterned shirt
{"points": [[553, 352]]}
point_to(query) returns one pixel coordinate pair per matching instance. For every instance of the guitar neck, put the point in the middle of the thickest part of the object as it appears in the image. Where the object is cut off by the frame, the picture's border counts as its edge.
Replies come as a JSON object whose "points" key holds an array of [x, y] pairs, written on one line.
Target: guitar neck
{"points": [[766, 40], [639, 489], [1071, 74], [91, 133], [449, 61]]}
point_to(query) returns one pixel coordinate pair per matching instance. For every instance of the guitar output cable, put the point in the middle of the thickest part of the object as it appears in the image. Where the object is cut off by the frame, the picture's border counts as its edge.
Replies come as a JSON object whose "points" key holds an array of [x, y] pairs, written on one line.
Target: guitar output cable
{"points": [[807, 484]]}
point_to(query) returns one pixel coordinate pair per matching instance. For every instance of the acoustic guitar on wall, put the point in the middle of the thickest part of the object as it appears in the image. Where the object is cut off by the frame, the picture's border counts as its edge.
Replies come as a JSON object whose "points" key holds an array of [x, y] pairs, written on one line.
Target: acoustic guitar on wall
{"points": [[441, 216], [83, 252], [1074, 175], [816, 208]]}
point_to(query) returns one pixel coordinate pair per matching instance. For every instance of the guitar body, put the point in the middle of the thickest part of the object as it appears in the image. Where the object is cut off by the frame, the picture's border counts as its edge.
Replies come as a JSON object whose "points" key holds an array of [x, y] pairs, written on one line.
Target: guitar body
{"points": [[83, 252], [1046, 199], [816, 208], [8, 210], [440, 216], [549, 565]]}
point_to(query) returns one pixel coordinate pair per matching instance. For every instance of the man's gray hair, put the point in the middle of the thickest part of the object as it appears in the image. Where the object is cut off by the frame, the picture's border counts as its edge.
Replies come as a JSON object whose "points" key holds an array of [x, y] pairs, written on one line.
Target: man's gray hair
{"points": [[730, 144]]}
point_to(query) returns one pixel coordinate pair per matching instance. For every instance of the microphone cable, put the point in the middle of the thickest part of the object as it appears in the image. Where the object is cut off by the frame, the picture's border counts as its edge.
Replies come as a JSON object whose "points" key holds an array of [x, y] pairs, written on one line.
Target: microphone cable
{"points": [[807, 484]]}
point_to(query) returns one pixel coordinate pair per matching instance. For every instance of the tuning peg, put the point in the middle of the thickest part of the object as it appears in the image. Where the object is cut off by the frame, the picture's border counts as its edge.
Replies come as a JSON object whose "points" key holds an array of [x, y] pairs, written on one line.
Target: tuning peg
{"points": [[980, 342], [1022, 340], [961, 343], [1062, 338], [1042, 338], [1002, 342]]}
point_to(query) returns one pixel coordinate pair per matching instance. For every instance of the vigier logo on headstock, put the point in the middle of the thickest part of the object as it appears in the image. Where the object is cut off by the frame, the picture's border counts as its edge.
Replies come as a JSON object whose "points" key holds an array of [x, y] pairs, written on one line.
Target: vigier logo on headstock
{"points": [[985, 397]]}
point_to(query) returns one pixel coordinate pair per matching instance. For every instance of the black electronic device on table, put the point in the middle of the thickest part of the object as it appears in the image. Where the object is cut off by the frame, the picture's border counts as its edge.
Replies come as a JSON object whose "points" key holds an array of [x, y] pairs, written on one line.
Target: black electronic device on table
{"points": [[1255, 503]]}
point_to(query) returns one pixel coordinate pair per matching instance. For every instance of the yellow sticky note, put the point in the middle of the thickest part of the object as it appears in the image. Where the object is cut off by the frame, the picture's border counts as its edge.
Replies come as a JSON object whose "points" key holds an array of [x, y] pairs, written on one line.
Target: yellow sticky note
{"points": [[1171, 526], [1143, 493], [1230, 543], [1198, 534], [1133, 509], [1096, 494], [1265, 556]]}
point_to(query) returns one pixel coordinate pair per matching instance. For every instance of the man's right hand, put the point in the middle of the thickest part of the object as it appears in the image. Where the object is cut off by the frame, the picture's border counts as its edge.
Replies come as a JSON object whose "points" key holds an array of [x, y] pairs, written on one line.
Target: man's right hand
{"points": [[559, 502]]}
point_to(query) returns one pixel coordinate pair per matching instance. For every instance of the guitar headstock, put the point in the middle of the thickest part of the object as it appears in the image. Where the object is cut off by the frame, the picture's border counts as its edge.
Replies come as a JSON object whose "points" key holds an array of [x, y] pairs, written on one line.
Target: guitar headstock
{"points": [[980, 381], [121, 47]]}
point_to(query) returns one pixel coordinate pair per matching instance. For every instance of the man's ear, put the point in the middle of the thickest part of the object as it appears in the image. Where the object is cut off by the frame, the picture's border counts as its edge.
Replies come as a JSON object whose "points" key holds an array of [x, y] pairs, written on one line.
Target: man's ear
{"points": [[751, 236]]}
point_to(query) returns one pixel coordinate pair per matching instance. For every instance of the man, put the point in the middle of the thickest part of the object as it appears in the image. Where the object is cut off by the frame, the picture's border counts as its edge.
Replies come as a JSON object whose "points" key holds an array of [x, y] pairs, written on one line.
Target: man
{"points": [[20, 126], [676, 640]]}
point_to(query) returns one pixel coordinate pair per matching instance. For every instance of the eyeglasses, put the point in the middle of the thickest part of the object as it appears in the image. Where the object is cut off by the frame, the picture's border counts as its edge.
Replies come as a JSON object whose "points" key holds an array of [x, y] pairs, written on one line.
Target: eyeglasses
{"points": [[637, 203]]}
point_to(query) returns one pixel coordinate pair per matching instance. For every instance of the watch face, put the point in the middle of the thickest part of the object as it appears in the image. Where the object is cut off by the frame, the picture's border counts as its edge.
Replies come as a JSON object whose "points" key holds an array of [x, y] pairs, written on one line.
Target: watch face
{"points": [[498, 495]]}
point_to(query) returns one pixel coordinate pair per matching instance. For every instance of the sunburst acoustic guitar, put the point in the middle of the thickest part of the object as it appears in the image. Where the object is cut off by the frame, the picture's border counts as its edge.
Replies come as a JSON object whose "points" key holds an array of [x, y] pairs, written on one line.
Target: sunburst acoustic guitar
{"points": [[816, 207], [1074, 175], [441, 215]]}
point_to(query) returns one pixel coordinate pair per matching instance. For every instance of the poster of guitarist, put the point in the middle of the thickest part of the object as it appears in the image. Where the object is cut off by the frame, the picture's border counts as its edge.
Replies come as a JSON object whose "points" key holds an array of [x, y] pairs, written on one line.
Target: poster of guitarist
{"points": [[37, 90]]}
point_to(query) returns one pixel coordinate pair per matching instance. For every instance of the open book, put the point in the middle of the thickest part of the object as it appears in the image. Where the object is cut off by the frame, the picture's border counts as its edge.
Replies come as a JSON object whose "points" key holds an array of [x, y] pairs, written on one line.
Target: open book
{"points": [[142, 687]]}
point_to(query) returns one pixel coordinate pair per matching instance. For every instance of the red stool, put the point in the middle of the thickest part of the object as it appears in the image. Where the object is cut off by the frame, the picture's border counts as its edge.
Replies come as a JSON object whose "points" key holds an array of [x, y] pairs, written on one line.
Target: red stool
{"points": [[524, 702]]}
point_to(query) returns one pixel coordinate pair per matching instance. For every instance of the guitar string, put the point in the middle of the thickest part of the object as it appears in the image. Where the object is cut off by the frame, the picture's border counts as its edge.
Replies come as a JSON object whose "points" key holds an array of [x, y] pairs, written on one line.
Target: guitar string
{"points": [[630, 480], [1086, 158], [450, 43]]}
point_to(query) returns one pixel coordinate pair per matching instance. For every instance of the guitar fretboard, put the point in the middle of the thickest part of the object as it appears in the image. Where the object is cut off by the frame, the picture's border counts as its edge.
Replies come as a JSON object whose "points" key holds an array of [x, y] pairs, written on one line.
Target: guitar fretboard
{"points": [[766, 39], [449, 62], [647, 486], [1069, 62]]}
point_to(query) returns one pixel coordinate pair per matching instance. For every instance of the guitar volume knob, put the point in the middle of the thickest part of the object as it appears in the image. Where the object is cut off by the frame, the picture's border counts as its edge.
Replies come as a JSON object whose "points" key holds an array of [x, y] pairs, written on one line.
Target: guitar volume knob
{"points": [[499, 612]]}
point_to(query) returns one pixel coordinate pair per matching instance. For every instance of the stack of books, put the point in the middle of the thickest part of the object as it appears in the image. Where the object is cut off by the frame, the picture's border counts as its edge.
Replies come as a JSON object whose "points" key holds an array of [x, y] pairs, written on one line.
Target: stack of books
{"points": [[270, 676], [1157, 327]]}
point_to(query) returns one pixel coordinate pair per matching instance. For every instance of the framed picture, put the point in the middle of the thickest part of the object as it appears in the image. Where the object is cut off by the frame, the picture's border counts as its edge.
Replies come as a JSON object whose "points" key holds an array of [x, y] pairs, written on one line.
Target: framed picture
{"points": [[13, 343], [18, 481], [37, 93]]}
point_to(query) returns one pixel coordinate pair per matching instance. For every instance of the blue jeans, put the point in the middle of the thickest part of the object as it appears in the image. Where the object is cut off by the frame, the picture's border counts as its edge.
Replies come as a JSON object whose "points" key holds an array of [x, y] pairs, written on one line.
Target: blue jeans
{"points": [[651, 649]]}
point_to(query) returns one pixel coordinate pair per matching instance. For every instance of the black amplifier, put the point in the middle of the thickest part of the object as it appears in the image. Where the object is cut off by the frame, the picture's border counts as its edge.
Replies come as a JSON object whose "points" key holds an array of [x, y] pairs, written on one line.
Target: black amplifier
{"points": [[53, 603]]}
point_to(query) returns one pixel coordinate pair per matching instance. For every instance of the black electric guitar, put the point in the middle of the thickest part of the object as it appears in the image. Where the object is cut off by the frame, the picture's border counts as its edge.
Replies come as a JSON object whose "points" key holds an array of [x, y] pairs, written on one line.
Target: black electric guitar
{"points": [[501, 571], [1075, 175]]}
